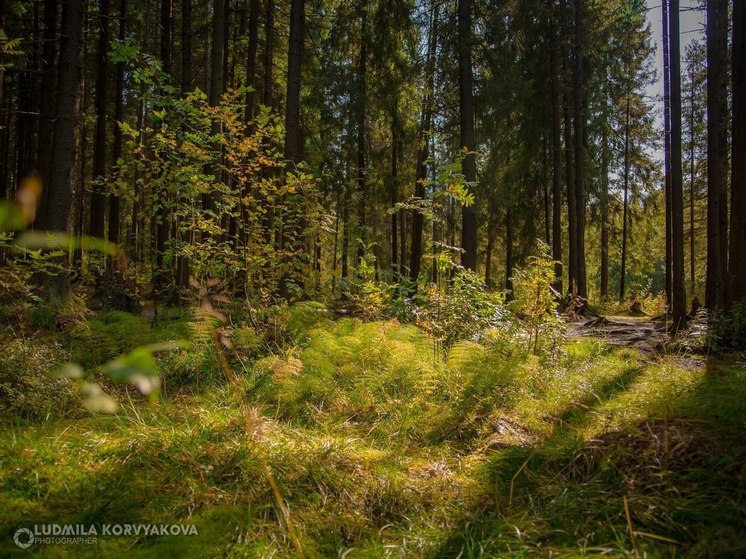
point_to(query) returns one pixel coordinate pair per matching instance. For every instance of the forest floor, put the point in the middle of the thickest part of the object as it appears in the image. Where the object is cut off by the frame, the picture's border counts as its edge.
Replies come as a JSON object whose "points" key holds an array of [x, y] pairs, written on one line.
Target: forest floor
{"points": [[384, 446]]}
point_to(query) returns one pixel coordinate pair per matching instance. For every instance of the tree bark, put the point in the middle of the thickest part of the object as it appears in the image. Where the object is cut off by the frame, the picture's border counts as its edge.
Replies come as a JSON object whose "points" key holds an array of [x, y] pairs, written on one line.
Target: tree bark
{"points": [[717, 154], [605, 195], [362, 89], [418, 219], [115, 204], [186, 46], [47, 102], [466, 112], [667, 148], [251, 58], [737, 259], [554, 69], [579, 133], [572, 216], [163, 228], [63, 168], [98, 197], [677, 197], [292, 107], [625, 213], [268, 53]]}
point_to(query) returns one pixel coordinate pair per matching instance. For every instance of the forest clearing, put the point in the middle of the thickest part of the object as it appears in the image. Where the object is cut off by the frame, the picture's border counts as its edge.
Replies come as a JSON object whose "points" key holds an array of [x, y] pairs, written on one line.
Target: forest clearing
{"points": [[372, 278]]}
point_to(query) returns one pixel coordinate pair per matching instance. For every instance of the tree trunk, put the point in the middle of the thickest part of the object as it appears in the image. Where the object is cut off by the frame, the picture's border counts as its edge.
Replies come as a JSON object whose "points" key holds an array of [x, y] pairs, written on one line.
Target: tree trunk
{"points": [[396, 269], [47, 102], [186, 46], [63, 168], [717, 153], [290, 236], [217, 83], [737, 260], [115, 205], [418, 219], [692, 181], [292, 107], [625, 214], [251, 58], [677, 197], [163, 228], [572, 216], [361, 156], [667, 147], [466, 111], [98, 197], [605, 194], [268, 52], [554, 65], [579, 133]]}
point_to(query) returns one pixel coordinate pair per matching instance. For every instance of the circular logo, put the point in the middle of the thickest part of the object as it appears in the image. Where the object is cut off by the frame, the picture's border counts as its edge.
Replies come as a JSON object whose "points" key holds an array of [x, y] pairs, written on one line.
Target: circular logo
{"points": [[23, 538]]}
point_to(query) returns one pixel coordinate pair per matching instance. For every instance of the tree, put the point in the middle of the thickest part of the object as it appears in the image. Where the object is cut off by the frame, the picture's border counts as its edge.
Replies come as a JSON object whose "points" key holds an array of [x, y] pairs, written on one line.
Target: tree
{"points": [[467, 142], [426, 119], [115, 205], [63, 166], [251, 58], [678, 287], [737, 260], [625, 212], [667, 148], [579, 137], [100, 161], [567, 103], [163, 225], [186, 46], [47, 102], [717, 154], [293, 151], [554, 68]]}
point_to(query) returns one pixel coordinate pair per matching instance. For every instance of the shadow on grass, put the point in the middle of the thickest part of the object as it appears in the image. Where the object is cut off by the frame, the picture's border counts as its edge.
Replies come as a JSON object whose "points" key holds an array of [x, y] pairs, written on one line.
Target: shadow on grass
{"points": [[673, 485]]}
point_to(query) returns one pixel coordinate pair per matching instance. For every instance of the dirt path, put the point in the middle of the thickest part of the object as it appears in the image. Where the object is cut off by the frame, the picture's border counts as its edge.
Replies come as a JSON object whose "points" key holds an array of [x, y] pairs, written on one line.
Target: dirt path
{"points": [[640, 333]]}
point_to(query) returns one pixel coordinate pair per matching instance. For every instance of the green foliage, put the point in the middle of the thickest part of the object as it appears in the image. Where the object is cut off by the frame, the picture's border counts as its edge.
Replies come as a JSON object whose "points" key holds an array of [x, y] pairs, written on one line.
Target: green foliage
{"points": [[535, 301], [464, 310], [192, 151], [379, 443]]}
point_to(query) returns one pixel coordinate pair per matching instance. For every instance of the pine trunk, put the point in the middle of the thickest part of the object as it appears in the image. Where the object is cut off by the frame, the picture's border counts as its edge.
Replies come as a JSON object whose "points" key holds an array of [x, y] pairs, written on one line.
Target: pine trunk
{"points": [[717, 153], [677, 197], [737, 259], [466, 111]]}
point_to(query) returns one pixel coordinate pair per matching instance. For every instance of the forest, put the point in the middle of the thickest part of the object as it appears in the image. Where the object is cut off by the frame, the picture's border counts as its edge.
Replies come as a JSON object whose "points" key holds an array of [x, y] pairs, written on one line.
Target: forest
{"points": [[373, 278]]}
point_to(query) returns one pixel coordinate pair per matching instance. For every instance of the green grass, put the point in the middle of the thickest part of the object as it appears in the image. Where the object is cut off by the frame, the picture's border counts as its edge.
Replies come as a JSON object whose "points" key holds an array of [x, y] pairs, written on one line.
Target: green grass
{"points": [[384, 447]]}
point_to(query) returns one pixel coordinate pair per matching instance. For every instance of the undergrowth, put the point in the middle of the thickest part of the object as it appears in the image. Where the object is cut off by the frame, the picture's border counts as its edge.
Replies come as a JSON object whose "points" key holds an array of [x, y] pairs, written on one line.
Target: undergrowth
{"points": [[387, 443]]}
